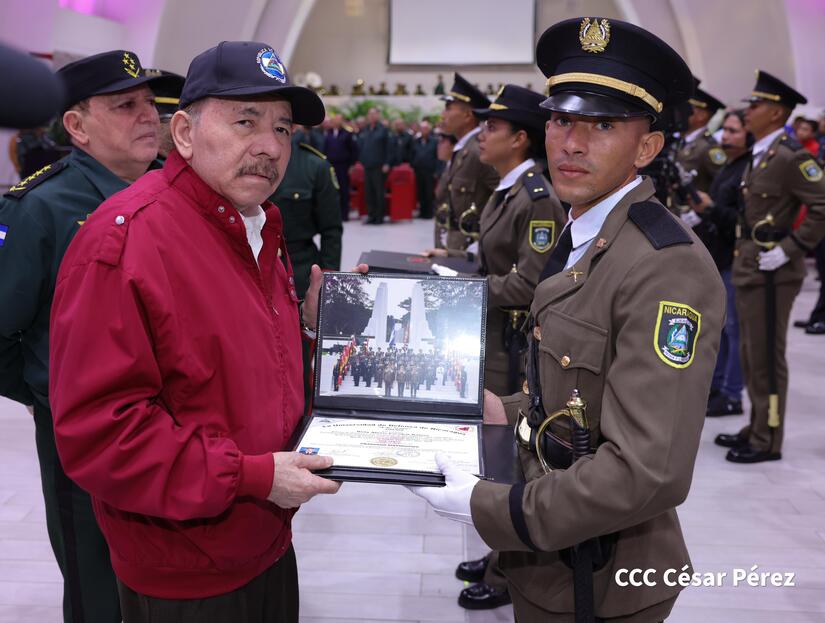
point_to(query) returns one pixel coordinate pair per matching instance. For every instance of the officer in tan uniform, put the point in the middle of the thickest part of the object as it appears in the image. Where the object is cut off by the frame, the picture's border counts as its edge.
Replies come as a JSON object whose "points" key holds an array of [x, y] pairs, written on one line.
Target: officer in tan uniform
{"points": [[769, 262], [467, 180], [701, 153], [626, 326], [518, 228]]}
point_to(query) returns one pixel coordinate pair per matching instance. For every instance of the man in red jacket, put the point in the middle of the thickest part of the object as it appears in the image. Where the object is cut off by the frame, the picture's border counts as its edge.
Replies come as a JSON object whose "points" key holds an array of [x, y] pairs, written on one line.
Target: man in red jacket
{"points": [[176, 357]]}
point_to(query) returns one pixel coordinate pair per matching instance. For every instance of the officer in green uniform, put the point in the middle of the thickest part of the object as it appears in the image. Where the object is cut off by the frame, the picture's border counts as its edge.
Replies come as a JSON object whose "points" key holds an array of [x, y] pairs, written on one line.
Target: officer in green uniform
{"points": [[309, 203], [111, 119], [769, 262]]}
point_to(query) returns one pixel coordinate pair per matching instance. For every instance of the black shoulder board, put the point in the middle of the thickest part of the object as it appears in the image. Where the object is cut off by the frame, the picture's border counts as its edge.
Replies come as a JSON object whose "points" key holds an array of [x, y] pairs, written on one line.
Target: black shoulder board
{"points": [[658, 225], [35, 179], [790, 143], [311, 149], [536, 185]]}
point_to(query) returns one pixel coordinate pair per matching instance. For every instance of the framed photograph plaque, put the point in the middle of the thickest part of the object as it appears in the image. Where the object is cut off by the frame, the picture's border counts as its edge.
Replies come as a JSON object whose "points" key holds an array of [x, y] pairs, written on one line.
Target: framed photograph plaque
{"points": [[398, 377]]}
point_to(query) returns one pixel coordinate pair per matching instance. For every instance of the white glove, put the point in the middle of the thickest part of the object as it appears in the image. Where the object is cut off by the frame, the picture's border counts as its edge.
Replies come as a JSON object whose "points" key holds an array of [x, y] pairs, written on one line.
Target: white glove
{"points": [[773, 259], [691, 219], [444, 271], [453, 500]]}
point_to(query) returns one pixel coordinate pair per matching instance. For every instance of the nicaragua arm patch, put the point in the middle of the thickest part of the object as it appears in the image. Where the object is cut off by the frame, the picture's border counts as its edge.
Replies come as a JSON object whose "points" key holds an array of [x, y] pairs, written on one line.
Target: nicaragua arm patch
{"points": [[542, 235], [717, 155], [810, 170], [676, 333]]}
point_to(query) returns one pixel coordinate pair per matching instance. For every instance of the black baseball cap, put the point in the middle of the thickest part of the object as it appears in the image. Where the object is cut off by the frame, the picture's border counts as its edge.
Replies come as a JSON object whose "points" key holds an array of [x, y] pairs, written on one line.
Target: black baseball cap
{"points": [[517, 105], [233, 69], [31, 95], [601, 67], [107, 72], [167, 88], [463, 91], [769, 88]]}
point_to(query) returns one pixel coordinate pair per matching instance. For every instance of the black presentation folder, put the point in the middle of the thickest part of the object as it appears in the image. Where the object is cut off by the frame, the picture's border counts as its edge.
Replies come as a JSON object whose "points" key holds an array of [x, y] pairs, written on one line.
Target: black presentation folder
{"points": [[394, 262], [378, 336]]}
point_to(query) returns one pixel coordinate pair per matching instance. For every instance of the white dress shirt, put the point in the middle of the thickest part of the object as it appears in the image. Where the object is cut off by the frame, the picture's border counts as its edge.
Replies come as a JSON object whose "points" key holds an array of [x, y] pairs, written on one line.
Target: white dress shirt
{"points": [[508, 180], [689, 138], [254, 224], [463, 140], [585, 228], [761, 146]]}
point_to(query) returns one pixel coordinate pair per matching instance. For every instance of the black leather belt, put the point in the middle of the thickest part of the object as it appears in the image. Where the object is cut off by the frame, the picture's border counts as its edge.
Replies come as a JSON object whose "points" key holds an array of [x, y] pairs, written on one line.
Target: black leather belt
{"points": [[765, 234]]}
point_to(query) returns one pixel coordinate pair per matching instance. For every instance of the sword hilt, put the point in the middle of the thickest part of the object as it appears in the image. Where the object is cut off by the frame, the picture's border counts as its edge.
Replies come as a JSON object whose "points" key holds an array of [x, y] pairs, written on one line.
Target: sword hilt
{"points": [[765, 222]]}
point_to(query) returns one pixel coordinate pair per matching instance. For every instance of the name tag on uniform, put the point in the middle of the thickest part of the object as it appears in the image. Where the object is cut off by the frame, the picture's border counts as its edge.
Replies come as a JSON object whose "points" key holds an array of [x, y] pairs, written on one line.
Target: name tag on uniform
{"points": [[523, 430]]}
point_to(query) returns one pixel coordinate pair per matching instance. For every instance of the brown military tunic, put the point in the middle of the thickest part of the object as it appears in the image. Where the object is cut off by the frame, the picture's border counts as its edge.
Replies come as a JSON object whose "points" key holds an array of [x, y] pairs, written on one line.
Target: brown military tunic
{"points": [[785, 177], [517, 235], [467, 181], [634, 325], [704, 156]]}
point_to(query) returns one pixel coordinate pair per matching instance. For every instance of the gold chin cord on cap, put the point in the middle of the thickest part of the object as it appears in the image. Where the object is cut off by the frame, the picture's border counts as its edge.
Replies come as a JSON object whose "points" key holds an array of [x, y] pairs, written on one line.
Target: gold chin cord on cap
{"points": [[580, 432], [606, 81]]}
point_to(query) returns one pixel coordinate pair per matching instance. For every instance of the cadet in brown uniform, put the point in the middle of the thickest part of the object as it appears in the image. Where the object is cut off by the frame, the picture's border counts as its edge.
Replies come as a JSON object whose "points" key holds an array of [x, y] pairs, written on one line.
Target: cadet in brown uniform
{"points": [[518, 228], [627, 319], [467, 180], [701, 153], [782, 175]]}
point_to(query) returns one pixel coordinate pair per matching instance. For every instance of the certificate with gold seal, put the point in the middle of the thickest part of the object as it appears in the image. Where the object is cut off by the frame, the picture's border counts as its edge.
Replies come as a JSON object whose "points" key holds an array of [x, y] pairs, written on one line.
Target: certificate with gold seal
{"points": [[396, 444]]}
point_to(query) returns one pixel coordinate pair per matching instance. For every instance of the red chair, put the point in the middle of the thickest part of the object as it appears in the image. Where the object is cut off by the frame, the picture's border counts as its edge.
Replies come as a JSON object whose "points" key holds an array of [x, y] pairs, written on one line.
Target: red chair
{"points": [[357, 197], [401, 197]]}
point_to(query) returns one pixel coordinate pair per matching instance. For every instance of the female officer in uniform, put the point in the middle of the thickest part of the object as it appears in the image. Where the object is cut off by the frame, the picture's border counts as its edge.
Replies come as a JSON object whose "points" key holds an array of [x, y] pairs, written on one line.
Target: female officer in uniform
{"points": [[518, 227]]}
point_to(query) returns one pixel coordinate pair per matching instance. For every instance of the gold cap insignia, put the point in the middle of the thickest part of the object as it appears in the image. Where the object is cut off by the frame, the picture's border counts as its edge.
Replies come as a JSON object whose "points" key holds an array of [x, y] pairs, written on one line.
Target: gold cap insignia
{"points": [[594, 35], [130, 66]]}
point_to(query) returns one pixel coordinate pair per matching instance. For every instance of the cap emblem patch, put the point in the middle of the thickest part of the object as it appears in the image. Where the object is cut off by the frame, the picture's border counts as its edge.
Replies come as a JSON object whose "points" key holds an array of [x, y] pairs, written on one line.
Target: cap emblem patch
{"points": [[594, 35], [271, 65], [130, 65]]}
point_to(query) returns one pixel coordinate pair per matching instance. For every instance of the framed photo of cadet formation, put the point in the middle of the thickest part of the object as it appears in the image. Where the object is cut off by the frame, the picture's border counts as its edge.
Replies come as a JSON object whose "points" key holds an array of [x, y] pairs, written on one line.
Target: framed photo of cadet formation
{"points": [[398, 377]]}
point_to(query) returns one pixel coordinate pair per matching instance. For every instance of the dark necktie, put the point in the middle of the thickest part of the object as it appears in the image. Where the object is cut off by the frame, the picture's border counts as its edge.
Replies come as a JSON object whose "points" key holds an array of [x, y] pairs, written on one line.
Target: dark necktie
{"points": [[558, 258]]}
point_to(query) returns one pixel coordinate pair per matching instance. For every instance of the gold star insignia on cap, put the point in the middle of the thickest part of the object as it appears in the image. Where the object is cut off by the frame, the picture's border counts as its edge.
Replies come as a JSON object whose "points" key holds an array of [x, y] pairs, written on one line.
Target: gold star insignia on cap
{"points": [[594, 35], [130, 66]]}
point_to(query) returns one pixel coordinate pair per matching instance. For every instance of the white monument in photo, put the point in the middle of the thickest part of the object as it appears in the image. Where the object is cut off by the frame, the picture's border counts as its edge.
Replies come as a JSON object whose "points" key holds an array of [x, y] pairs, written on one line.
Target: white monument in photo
{"points": [[419, 328], [377, 326]]}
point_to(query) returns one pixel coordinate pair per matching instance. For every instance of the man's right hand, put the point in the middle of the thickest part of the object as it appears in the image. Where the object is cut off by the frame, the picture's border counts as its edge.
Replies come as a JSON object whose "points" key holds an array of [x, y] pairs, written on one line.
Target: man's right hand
{"points": [[435, 253], [294, 483]]}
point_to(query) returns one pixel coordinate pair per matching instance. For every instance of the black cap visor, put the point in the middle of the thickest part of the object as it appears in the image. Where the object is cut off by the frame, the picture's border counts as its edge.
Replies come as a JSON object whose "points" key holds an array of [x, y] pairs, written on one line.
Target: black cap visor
{"points": [[593, 105], [307, 107], [527, 120]]}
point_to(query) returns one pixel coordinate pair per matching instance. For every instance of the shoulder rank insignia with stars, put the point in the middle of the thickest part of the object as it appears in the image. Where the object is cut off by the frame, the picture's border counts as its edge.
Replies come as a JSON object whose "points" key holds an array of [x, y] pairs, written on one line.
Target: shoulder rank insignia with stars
{"points": [[35, 179], [717, 155], [542, 235], [536, 187], [810, 170]]}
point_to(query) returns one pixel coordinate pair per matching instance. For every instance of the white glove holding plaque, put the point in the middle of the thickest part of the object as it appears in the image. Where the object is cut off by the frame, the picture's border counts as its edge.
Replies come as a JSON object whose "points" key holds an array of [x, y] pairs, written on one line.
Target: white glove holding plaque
{"points": [[773, 259], [453, 500], [691, 219]]}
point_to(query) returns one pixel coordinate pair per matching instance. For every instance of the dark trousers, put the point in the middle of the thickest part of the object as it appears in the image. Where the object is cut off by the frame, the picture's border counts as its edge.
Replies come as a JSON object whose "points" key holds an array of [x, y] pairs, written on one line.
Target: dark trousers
{"points": [[272, 597], [818, 314], [89, 586], [342, 173], [750, 303], [425, 185], [374, 193], [727, 376]]}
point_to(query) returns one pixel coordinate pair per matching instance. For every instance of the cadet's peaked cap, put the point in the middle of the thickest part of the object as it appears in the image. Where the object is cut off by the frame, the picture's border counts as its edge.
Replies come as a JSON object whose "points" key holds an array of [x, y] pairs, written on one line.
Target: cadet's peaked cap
{"points": [[234, 69], [600, 67], [517, 105], [463, 91], [167, 88], [769, 88], [705, 101], [32, 95], [107, 72]]}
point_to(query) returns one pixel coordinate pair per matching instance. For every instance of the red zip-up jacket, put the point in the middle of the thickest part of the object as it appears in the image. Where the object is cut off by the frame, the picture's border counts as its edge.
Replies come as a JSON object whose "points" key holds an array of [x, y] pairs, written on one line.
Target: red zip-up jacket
{"points": [[175, 374]]}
